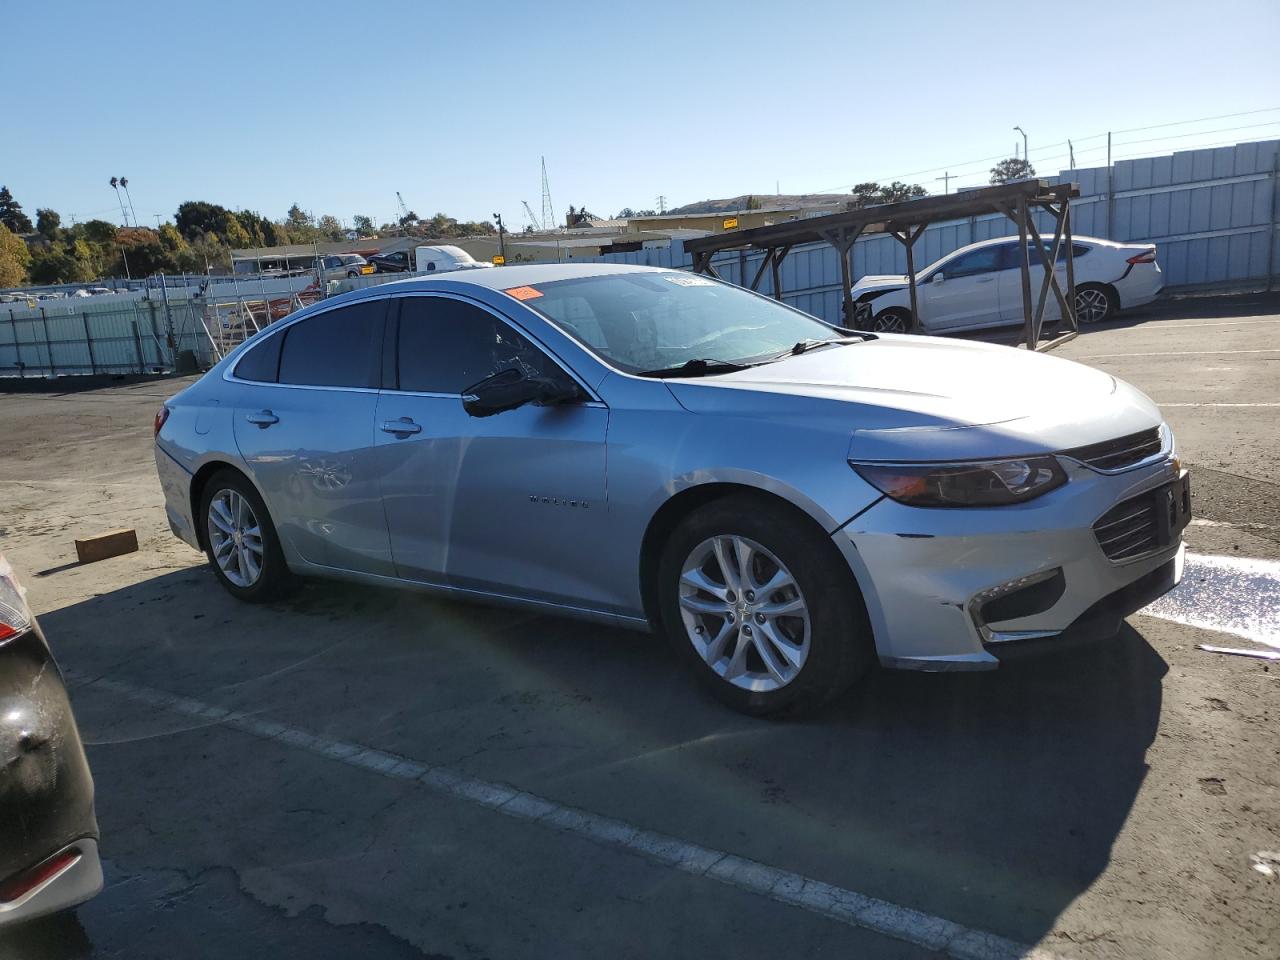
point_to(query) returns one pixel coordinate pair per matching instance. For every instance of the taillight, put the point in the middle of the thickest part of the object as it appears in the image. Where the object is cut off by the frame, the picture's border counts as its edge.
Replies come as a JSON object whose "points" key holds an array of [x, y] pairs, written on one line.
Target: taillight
{"points": [[161, 416], [15, 618], [1146, 256], [28, 880]]}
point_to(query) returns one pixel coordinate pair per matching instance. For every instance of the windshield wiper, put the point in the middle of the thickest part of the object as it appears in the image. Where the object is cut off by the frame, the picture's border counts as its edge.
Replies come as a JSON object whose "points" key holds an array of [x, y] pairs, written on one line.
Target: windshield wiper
{"points": [[697, 367], [804, 345]]}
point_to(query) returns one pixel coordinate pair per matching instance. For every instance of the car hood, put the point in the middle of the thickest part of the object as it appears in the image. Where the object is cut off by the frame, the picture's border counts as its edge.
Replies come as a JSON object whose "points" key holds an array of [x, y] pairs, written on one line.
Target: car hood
{"points": [[885, 282], [912, 398]]}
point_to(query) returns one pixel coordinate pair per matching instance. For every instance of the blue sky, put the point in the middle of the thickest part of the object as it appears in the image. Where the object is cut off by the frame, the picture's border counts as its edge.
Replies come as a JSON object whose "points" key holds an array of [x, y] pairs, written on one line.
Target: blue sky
{"points": [[336, 106]]}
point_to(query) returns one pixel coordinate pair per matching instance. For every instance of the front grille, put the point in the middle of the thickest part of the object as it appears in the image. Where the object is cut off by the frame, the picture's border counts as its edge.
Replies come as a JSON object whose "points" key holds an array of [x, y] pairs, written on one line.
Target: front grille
{"points": [[1129, 529], [1119, 453]]}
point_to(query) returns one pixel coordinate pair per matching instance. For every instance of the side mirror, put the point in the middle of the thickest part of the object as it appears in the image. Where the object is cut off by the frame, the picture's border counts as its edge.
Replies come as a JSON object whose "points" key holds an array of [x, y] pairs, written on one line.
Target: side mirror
{"points": [[510, 389], [938, 277]]}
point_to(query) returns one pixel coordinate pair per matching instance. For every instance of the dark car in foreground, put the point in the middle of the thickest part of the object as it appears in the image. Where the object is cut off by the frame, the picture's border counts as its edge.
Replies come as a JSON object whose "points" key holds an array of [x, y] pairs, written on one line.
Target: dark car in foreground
{"points": [[48, 831]]}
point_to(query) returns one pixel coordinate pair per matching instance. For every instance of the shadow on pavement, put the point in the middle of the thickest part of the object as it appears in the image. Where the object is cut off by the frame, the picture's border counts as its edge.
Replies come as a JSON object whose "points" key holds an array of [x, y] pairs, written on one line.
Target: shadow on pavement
{"points": [[991, 799]]}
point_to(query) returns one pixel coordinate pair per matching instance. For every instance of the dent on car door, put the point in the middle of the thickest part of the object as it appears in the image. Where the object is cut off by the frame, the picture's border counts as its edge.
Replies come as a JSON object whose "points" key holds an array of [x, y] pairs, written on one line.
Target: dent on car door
{"points": [[512, 503], [304, 427]]}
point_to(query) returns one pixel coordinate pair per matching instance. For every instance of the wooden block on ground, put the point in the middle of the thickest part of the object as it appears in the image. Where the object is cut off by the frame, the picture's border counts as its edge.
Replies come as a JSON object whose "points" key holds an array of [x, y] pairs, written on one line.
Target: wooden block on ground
{"points": [[110, 544]]}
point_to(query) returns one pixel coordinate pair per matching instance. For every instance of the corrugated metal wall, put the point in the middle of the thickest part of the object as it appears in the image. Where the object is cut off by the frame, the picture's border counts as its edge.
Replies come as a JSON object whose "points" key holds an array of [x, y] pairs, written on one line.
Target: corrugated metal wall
{"points": [[1211, 212]]}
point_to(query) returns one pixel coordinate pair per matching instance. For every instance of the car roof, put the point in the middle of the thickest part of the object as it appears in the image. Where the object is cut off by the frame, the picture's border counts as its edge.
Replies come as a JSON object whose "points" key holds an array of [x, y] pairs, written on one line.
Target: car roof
{"points": [[504, 278], [997, 241]]}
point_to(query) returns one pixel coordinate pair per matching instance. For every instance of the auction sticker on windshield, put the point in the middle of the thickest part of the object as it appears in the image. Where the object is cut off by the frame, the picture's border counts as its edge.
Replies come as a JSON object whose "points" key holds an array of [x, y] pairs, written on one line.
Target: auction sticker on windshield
{"points": [[684, 281], [523, 293]]}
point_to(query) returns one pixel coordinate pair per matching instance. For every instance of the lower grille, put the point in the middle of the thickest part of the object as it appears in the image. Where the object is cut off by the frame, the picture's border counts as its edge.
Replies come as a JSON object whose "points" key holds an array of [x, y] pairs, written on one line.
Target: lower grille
{"points": [[1119, 453], [1129, 529]]}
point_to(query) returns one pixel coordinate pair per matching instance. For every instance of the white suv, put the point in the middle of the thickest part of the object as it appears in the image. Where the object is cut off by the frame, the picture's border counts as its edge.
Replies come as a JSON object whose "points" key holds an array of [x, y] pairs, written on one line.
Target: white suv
{"points": [[981, 285]]}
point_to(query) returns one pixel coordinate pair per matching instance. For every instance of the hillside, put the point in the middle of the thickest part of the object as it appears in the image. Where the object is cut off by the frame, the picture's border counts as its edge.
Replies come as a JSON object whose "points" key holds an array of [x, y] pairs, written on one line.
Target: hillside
{"points": [[765, 199]]}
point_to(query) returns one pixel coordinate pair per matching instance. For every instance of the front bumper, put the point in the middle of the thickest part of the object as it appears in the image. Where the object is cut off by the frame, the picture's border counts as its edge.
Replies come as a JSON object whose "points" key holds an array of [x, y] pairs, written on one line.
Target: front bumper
{"points": [[924, 573]]}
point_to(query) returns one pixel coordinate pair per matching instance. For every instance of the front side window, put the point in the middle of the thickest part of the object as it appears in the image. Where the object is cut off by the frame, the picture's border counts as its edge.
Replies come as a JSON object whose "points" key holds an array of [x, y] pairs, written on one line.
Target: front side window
{"points": [[645, 322], [446, 346], [338, 348], [983, 260]]}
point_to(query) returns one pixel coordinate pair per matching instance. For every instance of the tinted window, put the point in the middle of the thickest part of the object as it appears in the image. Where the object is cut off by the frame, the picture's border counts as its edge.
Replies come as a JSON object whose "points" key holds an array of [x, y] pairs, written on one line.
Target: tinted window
{"points": [[261, 362], [335, 349], [974, 262], [446, 346], [1013, 260]]}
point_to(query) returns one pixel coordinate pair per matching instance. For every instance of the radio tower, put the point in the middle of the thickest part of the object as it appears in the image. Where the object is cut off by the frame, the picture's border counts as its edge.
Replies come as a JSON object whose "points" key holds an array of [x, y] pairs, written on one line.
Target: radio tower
{"points": [[549, 221]]}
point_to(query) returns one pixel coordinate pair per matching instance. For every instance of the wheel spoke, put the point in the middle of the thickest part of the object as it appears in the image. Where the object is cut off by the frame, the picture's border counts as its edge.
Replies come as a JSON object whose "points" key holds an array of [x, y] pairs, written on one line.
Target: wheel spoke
{"points": [[770, 657], [745, 557], [727, 569], [223, 550], [781, 608], [738, 662], [792, 652], [700, 581], [699, 605], [715, 649], [220, 516], [780, 579]]}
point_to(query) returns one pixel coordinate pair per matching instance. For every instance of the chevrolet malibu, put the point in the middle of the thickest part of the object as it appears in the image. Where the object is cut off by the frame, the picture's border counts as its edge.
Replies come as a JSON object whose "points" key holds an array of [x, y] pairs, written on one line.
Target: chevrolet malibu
{"points": [[787, 502]]}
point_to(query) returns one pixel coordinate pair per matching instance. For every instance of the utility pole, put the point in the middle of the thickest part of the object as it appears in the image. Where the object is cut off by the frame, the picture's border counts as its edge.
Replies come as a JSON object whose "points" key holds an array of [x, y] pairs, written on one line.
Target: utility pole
{"points": [[502, 244], [1025, 157], [1071, 152], [662, 204], [946, 179]]}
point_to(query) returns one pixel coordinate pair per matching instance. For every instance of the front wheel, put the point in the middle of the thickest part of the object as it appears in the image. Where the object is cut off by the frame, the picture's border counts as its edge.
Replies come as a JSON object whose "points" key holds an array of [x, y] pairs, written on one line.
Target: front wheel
{"points": [[892, 320], [241, 541], [762, 607]]}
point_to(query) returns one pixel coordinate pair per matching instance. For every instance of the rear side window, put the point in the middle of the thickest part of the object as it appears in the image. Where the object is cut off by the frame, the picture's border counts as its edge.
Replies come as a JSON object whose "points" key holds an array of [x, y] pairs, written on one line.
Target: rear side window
{"points": [[261, 362], [446, 346], [338, 348]]}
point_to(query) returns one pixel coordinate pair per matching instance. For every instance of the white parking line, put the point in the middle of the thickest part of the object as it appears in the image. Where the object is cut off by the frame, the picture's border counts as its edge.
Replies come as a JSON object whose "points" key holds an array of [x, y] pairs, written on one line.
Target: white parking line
{"points": [[1214, 404], [1174, 353], [825, 899]]}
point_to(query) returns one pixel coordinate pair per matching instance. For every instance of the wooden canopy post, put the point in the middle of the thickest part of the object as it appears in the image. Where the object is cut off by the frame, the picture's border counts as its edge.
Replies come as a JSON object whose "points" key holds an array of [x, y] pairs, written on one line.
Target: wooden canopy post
{"points": [[908, 238]]}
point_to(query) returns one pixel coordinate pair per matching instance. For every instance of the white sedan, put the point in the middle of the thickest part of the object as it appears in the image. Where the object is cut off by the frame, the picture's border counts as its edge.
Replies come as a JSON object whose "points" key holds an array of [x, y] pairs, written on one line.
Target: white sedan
{"points": [[981, 286]]}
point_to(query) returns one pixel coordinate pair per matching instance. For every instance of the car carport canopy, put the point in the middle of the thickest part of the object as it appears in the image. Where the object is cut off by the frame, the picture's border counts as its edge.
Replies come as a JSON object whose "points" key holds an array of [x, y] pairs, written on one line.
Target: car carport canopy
{"points": [[906, 221]]}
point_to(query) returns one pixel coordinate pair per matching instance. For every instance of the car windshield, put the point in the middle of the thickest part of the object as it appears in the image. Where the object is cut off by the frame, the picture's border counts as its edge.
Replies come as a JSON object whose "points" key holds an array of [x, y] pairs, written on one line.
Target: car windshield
{"points": [[646, 322]]}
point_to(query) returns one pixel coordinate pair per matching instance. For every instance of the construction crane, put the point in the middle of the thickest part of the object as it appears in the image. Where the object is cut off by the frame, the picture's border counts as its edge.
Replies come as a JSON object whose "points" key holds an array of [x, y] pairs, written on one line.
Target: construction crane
{"points": [[404, 211], [529, 213]]}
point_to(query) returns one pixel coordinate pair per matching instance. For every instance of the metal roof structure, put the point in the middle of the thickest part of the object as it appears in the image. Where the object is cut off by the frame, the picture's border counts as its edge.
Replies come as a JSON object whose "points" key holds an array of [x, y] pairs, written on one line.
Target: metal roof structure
{"points": [[906, 221]]}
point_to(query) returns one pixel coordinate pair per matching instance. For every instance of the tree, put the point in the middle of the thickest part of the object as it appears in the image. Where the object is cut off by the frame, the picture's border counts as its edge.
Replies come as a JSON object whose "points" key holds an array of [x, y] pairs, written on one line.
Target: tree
{"points": [[99, 231], [11, 214], [408, 219], [14, 259], [1014, 168], [48, 223], [330, 227], [363, 225], [196, 218], [870, 194]]}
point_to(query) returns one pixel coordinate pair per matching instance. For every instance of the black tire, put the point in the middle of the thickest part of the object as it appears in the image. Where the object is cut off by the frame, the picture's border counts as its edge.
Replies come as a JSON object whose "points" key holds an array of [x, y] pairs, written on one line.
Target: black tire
{"points": [[274, 580], [841, 648], [1091, 296], [892, 320], [351, 274]]}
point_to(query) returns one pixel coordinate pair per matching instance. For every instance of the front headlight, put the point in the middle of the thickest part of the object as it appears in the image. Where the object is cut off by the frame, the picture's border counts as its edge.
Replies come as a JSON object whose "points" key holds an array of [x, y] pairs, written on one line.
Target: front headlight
{"points": [[15, 617], [987, 483]]}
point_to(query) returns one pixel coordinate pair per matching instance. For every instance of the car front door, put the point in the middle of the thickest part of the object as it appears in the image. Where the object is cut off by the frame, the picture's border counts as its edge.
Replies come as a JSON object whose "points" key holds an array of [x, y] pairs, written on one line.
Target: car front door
{"points": [[304, 424], [962, 292], [512, 503], [1011, 306]]}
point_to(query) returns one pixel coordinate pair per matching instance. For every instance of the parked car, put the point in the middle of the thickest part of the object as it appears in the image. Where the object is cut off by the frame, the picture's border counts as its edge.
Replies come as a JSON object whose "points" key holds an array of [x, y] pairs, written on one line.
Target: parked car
{"points": [[398, 262], [784, 500], [342, 265], [48, 831], [980, 285]]}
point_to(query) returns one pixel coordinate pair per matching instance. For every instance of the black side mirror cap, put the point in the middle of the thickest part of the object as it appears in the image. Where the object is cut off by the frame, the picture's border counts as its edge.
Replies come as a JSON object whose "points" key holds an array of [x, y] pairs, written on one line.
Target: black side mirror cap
{"points": [[511, 388]]}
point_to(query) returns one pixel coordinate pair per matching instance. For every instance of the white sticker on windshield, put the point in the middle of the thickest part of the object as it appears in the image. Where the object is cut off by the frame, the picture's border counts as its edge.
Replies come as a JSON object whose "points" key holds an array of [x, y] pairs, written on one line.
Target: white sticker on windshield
{"points": [[685, 280]]}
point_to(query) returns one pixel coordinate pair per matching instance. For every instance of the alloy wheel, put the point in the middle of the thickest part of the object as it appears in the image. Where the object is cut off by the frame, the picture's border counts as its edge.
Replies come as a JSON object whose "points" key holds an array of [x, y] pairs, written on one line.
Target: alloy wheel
{"points": [[236, 538], [744, 613], [1092, 306], [889, 322]]}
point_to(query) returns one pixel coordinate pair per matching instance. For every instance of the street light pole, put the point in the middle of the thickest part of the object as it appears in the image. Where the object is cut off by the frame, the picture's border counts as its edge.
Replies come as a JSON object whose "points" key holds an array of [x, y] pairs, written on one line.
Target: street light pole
{"points": [[1025, 158], [502, 245]]}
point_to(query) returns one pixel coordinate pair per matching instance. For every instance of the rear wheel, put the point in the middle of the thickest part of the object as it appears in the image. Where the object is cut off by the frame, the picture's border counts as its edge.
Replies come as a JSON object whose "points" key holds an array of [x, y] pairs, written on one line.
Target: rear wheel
{"points": [[1095, 303], [241, 541], [761, 606], [892, 320]]}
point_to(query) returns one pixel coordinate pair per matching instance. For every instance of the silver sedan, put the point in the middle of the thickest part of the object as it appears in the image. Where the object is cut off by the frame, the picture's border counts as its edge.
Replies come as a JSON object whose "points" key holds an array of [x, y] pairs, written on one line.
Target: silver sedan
{"points": [[787, 502]]}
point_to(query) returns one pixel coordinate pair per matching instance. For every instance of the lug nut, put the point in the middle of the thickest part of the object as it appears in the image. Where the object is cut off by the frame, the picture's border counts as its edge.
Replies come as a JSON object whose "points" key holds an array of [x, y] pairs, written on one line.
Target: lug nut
{"points": [[729, 616], [747, 629], [759, 618], [699, 630], [751, 596], [730, 597]]}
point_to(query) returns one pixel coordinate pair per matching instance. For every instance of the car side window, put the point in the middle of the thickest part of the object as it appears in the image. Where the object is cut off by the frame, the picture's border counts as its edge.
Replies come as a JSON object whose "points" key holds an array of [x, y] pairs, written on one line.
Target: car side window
{"points": [[983, 260], [1013, 258], [446, 345], [262, 362], [337, 348]]}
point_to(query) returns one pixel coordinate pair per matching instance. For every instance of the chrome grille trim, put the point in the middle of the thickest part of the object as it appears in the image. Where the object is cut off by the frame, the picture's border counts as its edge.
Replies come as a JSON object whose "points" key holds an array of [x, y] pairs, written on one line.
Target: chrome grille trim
{"points": [[1122, 453]]}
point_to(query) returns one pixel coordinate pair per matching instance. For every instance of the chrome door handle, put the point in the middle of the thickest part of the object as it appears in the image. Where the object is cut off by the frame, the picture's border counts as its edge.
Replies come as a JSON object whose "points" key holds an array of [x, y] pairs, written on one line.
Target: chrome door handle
{"points": [[403, 426], [264, 418]]}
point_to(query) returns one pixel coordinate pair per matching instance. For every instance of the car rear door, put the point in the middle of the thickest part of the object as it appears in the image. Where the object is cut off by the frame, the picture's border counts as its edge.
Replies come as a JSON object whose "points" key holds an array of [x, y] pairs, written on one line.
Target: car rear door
{"points": [[966, 296], [305, 428], [512, 503], [1010, 279]]}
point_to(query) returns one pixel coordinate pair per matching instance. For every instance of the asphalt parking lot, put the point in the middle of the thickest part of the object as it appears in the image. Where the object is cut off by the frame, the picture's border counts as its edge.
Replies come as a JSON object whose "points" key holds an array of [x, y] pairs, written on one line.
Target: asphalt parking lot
{"points": [[358, 772]]}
